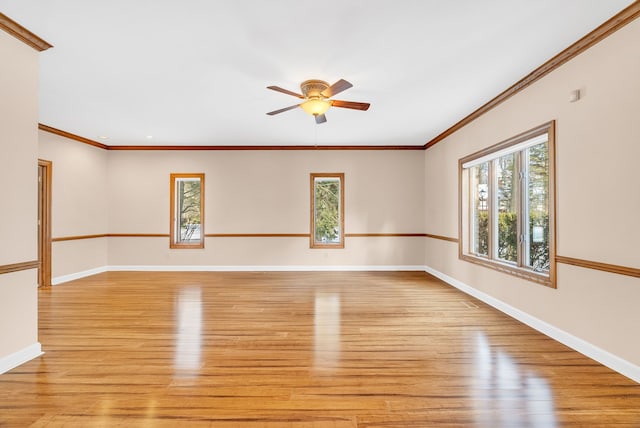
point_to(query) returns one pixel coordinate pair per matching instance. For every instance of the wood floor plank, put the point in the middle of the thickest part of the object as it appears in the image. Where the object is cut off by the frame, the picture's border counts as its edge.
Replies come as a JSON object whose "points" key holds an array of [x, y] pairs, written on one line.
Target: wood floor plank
{"points": [[298, 350]]}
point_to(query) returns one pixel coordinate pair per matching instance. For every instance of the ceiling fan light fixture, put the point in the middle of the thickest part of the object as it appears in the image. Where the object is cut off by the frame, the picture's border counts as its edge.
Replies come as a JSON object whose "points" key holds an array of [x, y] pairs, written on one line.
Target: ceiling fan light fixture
{"points": [[315, 106], [316, 95]]}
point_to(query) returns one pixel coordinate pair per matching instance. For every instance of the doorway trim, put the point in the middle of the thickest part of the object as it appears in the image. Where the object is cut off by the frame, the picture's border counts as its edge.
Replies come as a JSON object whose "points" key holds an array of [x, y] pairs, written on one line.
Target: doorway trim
{"points": [[44, 222]]}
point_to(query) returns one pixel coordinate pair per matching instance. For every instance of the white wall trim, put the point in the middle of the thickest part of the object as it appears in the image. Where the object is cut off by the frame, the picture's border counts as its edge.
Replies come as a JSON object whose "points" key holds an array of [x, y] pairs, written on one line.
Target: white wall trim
{"points": [[234, 268], [70, 277], [606, 358], [241, 268], [12, 361]]}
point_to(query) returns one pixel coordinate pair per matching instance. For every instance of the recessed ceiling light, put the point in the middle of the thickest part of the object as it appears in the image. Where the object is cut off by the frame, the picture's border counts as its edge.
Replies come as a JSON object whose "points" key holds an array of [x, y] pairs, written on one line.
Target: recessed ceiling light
{"points": [[149, 137], [103, 137]]}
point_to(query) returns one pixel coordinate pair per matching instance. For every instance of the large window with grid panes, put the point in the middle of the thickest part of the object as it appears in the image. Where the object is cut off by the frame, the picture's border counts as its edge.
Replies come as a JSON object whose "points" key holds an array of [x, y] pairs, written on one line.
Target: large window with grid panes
{"points": [[507, 206]]}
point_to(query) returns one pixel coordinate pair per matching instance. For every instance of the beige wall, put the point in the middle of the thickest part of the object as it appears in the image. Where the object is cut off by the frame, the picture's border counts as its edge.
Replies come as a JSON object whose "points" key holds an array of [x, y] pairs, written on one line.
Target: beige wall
{"points": [[79, 203], [18, 176], [249, 192], [268, 192], [598, 147]]}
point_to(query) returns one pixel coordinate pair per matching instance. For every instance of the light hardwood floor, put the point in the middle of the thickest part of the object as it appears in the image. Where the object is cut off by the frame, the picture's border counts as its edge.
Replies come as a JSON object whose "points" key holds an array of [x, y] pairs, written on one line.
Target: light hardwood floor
{"points": [[293, 350]]}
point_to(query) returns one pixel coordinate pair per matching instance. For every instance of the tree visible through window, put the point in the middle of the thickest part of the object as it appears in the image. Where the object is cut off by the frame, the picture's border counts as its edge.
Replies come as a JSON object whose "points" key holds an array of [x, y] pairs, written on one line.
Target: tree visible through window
{"points": [[480, 199], [511, 205], [507, 195], [537, 255], [187, 211], [327, 210]]}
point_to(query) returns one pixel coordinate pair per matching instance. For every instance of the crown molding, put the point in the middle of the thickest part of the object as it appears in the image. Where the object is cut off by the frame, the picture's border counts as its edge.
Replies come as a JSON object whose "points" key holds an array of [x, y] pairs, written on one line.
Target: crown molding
{"points": [[71, 136], [90, 142], [265, 148], [19, 32], [623, 18]]}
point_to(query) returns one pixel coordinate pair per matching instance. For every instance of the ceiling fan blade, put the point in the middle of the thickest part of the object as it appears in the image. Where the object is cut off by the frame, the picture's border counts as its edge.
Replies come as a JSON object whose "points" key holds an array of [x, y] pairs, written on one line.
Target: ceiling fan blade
{"points": [[336, 88], [284, 91], [320, 118], [350, 104], [282, 110]]}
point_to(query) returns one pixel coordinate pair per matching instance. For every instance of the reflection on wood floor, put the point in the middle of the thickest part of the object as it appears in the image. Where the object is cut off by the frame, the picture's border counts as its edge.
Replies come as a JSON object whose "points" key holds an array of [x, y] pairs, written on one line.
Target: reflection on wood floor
{"points": [[330, 349]]}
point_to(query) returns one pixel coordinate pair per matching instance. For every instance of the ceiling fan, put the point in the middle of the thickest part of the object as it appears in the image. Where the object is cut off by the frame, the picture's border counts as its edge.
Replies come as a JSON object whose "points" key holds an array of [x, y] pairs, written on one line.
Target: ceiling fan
{"points": [[316, 94]]}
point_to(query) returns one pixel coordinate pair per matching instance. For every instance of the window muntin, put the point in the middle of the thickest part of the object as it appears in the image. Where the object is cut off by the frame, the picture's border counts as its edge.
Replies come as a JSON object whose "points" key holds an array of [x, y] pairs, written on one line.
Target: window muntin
{"points": [[327, 210], [506, 217], [187, 211]]}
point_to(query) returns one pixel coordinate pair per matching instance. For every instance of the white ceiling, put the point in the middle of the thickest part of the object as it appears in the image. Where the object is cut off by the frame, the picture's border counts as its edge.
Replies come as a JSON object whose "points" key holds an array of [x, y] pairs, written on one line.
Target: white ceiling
{"points": [[194, 72]]}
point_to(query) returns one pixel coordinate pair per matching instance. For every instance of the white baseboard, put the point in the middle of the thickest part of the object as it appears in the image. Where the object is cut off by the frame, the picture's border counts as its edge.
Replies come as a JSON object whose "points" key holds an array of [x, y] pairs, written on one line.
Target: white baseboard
{"points": [[12, 361], [66, 278], [235, 268], [606, 358], [241, 268]]}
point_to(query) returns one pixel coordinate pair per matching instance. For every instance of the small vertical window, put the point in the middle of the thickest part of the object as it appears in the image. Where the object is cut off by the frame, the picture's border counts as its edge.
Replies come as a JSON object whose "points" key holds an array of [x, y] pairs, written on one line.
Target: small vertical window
{"points": [[327, 210], [187, 211]]}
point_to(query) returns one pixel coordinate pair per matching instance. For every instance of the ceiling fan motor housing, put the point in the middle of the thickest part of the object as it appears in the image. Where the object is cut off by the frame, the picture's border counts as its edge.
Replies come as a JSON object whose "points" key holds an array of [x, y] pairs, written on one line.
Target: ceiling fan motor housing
{"points": [[313, 88]]}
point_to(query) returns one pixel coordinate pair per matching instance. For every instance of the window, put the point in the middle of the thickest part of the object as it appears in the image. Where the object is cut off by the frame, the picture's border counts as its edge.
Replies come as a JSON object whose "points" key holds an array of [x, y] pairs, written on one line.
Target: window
{"points": [[327, 210], [187, 211], [507, 206]]}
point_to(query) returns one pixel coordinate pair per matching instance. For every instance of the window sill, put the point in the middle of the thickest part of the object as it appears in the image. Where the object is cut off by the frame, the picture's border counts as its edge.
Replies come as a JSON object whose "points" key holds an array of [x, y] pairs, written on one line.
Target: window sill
{"points": [[186, 246], [545, 279], [336, 246]]}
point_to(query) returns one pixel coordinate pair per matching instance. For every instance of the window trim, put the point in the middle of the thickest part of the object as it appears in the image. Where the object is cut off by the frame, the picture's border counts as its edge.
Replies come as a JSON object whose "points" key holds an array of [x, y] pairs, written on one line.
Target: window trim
{"points": [[312, 234], [172, 211], [464, 203]]}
